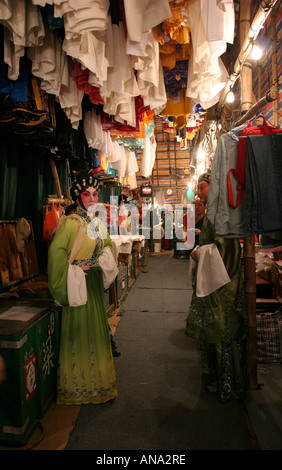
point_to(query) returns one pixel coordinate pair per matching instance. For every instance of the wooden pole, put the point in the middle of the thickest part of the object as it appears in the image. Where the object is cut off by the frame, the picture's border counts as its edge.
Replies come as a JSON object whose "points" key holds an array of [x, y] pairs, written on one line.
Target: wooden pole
{"points": [[56, 178], [263, 11], [274, 66], [249, 242], [271, 95]]}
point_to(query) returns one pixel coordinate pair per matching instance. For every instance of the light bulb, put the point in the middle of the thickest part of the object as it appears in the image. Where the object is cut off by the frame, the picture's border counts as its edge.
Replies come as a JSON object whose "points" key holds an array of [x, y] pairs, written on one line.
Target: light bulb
{"points": [[256, 53], [230, 97]]}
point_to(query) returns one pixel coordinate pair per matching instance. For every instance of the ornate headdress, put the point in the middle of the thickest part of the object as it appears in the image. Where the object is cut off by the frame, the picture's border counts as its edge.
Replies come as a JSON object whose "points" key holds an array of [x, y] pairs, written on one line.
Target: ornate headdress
{"points": [[81, 181]]}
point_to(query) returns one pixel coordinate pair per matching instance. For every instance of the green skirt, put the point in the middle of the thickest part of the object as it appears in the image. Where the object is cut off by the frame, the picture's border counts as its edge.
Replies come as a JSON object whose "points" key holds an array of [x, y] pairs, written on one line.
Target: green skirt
{"points": [[86, 371]]}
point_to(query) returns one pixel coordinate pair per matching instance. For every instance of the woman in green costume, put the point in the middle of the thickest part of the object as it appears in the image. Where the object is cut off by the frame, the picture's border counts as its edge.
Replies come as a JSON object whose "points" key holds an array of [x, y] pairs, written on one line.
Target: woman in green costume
{"points": [[86, 371], [219, 320]]}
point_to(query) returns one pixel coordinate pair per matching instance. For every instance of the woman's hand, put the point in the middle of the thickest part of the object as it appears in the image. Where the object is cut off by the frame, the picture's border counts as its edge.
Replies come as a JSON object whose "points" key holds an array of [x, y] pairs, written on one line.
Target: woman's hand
{"points": [[83, 267], [194, 253]]}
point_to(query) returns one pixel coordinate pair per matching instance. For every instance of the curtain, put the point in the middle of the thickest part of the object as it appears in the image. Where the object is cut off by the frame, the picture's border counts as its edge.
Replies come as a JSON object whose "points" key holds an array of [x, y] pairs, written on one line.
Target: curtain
{"points": [[26, 180]]}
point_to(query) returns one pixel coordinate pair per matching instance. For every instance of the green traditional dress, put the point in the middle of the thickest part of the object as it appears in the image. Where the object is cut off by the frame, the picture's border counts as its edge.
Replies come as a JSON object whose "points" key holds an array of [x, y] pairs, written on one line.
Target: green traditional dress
{"points": [[86, 371], [220, 322]]}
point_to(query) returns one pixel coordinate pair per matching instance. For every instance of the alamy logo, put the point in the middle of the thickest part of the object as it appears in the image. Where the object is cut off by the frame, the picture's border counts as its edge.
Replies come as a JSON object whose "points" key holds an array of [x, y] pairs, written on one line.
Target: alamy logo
{"points": [[153, 221]]}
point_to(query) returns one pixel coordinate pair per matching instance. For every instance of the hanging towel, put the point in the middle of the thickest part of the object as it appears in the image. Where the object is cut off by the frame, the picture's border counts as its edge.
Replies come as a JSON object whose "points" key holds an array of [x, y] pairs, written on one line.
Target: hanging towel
{"points": [[76, 286], [109, 267], [211, 271]]}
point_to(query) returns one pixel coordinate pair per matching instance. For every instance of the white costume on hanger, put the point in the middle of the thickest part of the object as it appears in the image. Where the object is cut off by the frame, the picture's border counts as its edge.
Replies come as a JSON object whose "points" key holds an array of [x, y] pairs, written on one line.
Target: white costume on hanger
{"points": [[23, 27], [95, 135], [70, 97], [207, 75], [142, 15], [150, 77], [47, 62], [218, 25], [148, 157]]}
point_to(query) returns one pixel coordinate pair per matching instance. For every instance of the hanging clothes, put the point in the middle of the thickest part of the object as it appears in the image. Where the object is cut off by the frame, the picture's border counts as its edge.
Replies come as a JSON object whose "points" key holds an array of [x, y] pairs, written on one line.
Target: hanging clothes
{"points": [[142, 15], [218, 25], [264, 183], [227, 221], [239, 171], [207, 75], [82, 81], [148, 157], [23, 28]]}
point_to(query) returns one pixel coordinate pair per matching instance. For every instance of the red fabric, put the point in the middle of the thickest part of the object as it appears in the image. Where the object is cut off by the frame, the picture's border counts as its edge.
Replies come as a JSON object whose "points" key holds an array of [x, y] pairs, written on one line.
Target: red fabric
{"points": [[81, 78], [239, 171]]}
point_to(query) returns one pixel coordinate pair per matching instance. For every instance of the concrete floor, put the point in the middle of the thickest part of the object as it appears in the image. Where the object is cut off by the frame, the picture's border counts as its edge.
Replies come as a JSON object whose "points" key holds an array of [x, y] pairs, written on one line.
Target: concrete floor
{"points": [[263, 407]]}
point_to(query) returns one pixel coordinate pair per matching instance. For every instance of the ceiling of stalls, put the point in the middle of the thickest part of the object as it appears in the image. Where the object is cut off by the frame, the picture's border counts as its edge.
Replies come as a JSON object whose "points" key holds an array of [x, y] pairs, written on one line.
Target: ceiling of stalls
{"points": [[193, 81]]}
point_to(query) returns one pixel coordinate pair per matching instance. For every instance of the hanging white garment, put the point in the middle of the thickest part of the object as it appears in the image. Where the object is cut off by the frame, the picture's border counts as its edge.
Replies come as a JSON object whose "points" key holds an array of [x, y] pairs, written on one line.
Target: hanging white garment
{"points": [[89, 50], [70, 97], [81, 17], [47, 62], [121, 163], [23, 27], [92, 128], [142, 15], [120, 88], [116, 153], [218, 25], [61, 7], [150, 77], [131, 169], [95, 135], [85, 25], [107, 148], [211, 271], [148, 157], [207, 75], [42, 3], [137, 48], [96, 77], [132, 165]]}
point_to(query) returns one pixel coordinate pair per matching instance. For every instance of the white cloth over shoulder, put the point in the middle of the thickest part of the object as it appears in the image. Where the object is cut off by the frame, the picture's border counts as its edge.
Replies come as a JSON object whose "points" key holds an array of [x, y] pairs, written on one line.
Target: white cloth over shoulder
{"points": [[76, 286], [109, 267], [211, 271]]}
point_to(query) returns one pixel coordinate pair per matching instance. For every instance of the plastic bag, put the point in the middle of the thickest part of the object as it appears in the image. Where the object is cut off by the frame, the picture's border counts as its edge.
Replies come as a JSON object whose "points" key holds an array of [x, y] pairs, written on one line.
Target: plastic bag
{"points": [[51, 220]]}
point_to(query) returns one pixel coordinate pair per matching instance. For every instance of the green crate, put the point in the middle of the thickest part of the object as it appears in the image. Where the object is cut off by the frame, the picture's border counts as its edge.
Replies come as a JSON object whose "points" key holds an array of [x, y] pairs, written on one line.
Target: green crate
{"points": [[122, 282], [109, 298], [29, 342]]}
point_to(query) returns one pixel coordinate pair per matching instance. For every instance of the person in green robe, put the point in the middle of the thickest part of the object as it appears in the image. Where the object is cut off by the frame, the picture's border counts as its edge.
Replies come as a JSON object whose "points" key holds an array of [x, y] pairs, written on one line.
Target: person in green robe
{"points": [[219, 320], [86, 371]]}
